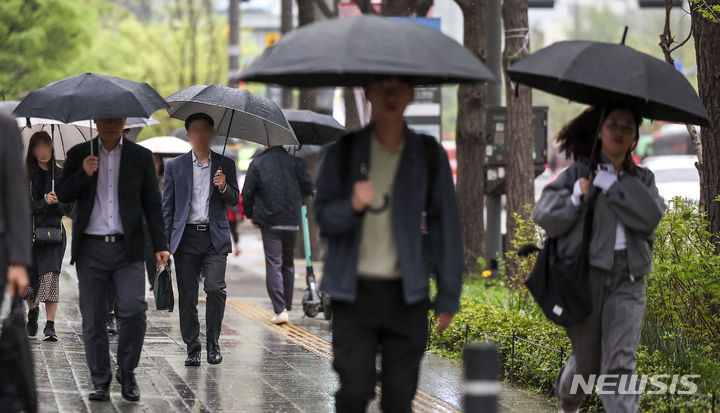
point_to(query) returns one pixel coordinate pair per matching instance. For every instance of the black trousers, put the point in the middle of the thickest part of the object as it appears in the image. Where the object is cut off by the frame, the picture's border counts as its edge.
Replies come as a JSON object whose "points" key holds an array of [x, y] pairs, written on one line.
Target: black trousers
{"points": [[194, 256], [378, 319], [279, 246], [100, 266]]}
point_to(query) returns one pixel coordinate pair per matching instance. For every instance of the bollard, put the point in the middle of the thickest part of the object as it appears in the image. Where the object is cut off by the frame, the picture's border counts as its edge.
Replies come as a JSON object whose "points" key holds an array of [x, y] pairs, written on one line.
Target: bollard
{"points": [[481, 387]]}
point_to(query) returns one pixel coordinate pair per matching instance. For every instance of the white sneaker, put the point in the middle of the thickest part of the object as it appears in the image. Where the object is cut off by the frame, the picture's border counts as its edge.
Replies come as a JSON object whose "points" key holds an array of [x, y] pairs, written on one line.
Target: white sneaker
{"points": [[280, 318]]}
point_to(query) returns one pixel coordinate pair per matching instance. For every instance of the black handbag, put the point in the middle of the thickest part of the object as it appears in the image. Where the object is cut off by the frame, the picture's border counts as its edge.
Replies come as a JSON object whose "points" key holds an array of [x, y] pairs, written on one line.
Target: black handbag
{"points": [[46, 235], [18, 391], [163, 292], [561, 284]]}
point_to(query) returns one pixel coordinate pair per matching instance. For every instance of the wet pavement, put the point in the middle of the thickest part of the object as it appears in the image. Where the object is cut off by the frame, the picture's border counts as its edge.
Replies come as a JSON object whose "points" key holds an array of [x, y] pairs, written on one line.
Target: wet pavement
{"points": [[265, 368]]}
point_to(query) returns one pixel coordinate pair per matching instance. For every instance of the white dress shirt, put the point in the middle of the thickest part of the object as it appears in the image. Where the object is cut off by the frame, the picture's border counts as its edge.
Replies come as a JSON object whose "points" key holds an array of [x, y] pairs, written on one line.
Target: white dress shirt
{"points": [[105, 216], [200, 198]]}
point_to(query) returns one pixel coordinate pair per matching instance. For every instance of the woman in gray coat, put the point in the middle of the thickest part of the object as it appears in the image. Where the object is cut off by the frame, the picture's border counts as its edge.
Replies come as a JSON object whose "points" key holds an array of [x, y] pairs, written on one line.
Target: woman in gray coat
{"points": [[627, 210]]}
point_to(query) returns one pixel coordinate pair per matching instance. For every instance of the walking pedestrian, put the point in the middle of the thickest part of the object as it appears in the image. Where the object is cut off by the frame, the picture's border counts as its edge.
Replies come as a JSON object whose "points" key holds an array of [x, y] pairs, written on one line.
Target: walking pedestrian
{"points": [[15, 245], [626, 212], [115, 188], [272, 195], [198, 187], [374, 187], [47, 212]]}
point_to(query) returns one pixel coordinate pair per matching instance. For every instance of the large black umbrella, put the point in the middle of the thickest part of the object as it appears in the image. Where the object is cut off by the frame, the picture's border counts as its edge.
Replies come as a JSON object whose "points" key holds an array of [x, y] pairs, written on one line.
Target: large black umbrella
{"points": [[312, 128], [91, 96], [237, 113], [602, 74], [352, 51]]}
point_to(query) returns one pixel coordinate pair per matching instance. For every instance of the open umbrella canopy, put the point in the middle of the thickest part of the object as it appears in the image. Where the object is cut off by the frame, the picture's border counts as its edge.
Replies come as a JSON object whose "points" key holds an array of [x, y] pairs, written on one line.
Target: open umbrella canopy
{"points": [[166, 145], [91, 96], [237, 113], [312, 128], [136, 125], [8, 106], [352, 51], [65, 135], [603, 74]]}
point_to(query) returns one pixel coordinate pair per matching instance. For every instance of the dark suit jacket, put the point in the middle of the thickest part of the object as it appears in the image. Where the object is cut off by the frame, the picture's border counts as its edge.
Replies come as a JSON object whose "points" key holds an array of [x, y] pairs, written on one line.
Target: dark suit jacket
{"points": [[177, 195], [15, 222], [411, 196], [138, 196]]}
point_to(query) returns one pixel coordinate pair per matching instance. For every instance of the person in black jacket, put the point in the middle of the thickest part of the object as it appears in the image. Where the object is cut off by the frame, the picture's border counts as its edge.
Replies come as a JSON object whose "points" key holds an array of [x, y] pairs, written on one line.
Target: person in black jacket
{"points": [[373, 190], [115, 187], [272, 197], [15, 238], [47, 212]]}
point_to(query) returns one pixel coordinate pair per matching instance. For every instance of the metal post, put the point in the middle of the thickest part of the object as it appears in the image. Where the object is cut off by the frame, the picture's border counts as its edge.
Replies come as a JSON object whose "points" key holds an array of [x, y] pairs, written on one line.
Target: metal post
{"points": [[467, 332], [286, 25], [493, 205], [562, 357], [512, 359], [233, 49], [481, 388]]}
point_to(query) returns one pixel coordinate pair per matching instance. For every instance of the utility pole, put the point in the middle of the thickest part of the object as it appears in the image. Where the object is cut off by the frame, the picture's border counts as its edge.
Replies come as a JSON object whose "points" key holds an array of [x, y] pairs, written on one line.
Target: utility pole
{"points": [[286, 25], [234, 40]]}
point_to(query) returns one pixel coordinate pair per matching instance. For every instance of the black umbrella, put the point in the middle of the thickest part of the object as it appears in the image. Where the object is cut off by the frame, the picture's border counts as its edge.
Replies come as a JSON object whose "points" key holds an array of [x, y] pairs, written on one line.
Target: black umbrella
{"points": [[312, 128], [603, 74], [237, 112], [91, 96], [352, 51]]}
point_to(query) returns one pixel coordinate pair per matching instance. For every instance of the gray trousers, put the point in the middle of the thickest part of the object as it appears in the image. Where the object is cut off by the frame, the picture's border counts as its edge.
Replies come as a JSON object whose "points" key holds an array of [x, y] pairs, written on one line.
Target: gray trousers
{"points": [[100, 266], [606, 342], [279, 248], [196, 255]]}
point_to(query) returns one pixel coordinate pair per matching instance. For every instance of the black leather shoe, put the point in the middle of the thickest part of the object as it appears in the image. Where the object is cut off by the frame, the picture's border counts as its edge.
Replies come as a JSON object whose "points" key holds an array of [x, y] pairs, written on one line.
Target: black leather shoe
{"points": [[32, 324], [214, 355], [50, 334], [111, 324], [101, 393], [193, 359], [130, 389]]}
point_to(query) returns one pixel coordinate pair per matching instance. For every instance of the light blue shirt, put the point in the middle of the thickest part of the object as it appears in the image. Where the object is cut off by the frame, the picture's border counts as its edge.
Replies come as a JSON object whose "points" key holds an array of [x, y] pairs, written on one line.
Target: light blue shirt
{"points": [[105, 216], [200, 198]]}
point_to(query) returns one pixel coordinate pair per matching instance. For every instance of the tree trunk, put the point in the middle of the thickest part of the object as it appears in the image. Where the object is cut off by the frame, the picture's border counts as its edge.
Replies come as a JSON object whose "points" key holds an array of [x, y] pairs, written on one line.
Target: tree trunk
{"points": [[470, 139], [306, 15], [193, 19], [707, 43], [520, 171]]}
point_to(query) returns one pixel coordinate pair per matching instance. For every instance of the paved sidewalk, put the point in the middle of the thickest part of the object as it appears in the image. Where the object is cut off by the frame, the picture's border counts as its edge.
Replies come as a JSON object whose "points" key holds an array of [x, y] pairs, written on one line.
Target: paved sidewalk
{"points": [[266, 368]]}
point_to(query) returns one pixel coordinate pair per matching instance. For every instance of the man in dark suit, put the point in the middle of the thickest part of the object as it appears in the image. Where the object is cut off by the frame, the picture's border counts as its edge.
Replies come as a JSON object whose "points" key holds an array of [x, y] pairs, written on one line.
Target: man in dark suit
{"points": [[115, 187], [15, 233], [196, 194]]}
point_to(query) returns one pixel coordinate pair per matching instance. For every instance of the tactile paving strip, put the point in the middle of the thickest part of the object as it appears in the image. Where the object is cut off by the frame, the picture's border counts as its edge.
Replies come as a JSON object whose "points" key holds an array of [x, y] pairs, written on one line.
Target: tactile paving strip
{"points": [[423, 402]]}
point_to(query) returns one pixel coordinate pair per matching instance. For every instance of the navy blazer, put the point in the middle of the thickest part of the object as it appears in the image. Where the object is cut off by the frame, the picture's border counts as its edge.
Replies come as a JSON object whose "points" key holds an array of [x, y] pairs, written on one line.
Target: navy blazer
{"points": [[177, 195], [411, 197], [138, 196]]}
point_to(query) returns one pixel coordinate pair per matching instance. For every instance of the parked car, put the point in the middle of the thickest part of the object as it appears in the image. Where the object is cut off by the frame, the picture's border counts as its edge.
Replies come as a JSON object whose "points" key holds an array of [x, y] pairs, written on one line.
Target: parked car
{"points": [[675, 175]]}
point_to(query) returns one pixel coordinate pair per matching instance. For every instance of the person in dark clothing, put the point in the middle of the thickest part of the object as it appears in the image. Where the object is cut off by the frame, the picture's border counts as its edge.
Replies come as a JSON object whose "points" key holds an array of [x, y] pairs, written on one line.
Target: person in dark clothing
{"points": [[275, 185], [15, 236], [373, 189], [114, 185], [198, 187], [47, 211], [235, 215]]}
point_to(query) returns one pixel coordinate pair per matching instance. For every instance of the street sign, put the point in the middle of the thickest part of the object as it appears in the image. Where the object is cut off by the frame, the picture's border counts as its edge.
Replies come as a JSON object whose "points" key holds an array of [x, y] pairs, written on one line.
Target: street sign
{"points": [[271, 38], [496, 147]]}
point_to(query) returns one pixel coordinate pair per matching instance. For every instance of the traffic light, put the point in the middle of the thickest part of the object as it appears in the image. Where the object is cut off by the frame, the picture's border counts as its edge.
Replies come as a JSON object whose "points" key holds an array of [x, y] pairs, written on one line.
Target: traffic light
{"points": [[648, 4]]}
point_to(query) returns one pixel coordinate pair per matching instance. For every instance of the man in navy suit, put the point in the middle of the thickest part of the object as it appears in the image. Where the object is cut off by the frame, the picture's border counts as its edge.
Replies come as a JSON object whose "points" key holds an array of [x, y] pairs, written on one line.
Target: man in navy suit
{"points": [[197, 189]]}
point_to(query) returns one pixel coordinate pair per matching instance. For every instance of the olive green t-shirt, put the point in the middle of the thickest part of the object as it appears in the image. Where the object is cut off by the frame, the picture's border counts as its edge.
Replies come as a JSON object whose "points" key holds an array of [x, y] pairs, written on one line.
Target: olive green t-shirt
{"points": [[378, 255]]}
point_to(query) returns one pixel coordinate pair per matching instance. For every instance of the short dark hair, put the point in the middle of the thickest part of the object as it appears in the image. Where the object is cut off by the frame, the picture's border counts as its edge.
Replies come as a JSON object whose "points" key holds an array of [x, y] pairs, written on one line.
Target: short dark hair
{"points": [[198, 116]]}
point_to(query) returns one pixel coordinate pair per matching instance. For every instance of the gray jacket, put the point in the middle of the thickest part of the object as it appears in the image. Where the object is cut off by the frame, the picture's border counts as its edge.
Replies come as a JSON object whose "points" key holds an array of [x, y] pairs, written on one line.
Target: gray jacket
{"points": [[633, 199]]}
